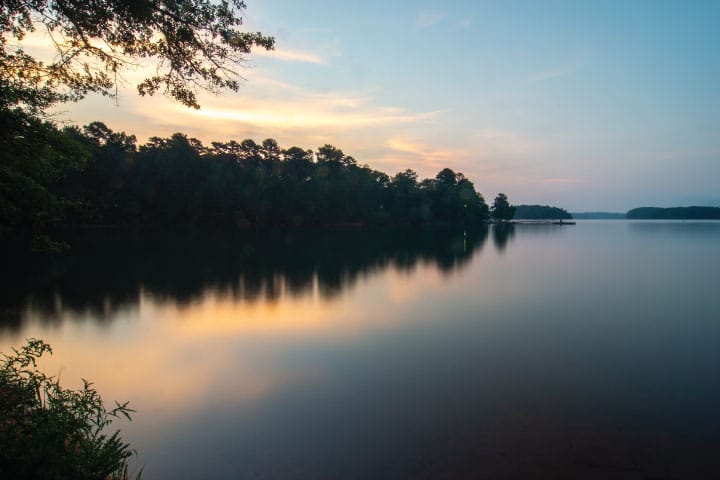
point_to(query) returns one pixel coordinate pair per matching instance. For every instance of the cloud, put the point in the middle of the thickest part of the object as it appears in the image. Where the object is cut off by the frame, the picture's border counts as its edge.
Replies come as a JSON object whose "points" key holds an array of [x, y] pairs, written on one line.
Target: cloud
{"points": [[291, 55], [40, 43], [277, 104], [264, 107], [428, 18], [313, 115], [401, 152], [404, 145]]}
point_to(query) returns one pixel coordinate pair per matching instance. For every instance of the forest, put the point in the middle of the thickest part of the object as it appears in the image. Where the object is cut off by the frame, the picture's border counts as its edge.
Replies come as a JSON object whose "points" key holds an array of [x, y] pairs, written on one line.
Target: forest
{"points": [[54, 177], [541, 212], [71, 176]]}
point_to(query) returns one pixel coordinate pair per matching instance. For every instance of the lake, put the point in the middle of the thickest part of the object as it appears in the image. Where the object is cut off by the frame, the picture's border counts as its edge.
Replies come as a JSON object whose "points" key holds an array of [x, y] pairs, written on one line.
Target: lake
{"points": [[533, 351]]}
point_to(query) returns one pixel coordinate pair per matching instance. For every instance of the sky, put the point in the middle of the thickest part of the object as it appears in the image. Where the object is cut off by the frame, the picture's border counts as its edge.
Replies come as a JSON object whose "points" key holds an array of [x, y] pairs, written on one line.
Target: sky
{"points": [[585, 105]]}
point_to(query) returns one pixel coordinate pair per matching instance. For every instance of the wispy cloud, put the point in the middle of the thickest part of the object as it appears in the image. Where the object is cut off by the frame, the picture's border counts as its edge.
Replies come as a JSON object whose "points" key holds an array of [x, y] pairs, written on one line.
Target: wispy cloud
{"points": [[284, 105], [487, 169], [302, 115], [291, 55], [40, 43], [428, 18], [401, 152], [431, 153], [264, 107]]}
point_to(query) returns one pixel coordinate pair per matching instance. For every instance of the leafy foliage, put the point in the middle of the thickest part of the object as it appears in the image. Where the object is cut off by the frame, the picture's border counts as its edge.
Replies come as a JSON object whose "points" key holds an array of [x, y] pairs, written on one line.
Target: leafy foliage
{"points": [[196, 45], [48, 432]]}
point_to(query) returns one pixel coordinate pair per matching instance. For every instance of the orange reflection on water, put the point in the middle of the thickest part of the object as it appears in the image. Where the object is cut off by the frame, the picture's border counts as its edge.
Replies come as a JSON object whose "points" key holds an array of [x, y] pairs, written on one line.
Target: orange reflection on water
{"points": [[361, 310], [169, 358]]}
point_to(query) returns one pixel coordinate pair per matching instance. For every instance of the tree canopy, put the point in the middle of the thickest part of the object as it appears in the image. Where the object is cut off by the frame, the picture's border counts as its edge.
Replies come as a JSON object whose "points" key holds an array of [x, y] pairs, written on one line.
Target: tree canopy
{"points": [[541, 212], [196, 45], [96, 176], [674, 213], [501, 209]]}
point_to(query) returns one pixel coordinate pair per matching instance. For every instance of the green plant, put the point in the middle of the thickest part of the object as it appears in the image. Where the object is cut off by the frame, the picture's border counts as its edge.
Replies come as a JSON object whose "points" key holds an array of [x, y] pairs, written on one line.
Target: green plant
{"points": [[48, 432]]}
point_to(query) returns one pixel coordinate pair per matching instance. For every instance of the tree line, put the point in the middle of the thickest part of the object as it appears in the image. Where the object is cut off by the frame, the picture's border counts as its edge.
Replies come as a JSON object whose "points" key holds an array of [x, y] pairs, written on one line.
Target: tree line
{"points": [[71, 176], [541, 212], [51, 176], [674, 213]]}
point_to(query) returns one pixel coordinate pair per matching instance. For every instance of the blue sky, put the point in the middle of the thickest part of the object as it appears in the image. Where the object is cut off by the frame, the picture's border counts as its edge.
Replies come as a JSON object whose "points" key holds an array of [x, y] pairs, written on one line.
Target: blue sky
{"points": [[585, 105]]}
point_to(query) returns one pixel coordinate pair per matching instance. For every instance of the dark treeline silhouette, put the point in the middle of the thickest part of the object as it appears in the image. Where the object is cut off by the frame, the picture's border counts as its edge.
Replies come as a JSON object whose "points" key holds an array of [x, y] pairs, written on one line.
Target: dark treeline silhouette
{"points": [[108, 269], [501, 209], [95, 176], [674, 213], [541, 212]]}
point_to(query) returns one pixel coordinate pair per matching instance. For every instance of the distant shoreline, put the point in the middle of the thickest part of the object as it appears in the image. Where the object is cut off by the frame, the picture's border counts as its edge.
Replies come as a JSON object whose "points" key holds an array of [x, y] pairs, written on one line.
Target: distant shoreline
{"points": [[598, 215], [654, 213], [674, 213]]}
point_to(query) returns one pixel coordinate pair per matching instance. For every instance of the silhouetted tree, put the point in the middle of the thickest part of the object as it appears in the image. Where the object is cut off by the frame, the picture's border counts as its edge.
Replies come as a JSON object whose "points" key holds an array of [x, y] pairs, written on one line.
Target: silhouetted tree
{"points": [[97, 176], [198, 45], [541, 212], [501, 209], [675, 213], [35, 158]]}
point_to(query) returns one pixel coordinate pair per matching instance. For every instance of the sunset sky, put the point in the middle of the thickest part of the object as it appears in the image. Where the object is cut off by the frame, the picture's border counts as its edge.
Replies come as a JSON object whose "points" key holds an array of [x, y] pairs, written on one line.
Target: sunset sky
{"points": [[584, 105]]}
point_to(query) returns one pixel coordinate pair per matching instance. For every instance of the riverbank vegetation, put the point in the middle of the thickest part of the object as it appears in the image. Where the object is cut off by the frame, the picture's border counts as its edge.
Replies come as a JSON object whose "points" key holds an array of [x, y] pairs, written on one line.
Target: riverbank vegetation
{"points": [[49, 432]]}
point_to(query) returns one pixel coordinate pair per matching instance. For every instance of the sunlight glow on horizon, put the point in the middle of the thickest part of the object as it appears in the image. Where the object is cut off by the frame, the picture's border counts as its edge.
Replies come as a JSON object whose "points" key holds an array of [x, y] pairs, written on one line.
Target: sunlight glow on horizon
{"points": [[299, 118], [565, 104]]}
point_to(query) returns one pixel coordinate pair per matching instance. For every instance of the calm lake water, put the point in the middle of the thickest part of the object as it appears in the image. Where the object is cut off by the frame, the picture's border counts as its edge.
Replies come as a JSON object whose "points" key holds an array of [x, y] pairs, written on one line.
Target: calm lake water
{"points": [[535, 351]]}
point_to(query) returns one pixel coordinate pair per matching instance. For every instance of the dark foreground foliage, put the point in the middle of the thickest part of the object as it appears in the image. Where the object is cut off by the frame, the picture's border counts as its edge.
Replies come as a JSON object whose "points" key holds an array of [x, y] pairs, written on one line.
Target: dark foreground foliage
{"points": [[196, 45], [48, 432]]}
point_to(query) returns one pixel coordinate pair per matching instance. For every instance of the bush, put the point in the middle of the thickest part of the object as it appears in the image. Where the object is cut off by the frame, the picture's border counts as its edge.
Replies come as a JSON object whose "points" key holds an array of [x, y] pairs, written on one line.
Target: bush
{"points": [[48, 432]]}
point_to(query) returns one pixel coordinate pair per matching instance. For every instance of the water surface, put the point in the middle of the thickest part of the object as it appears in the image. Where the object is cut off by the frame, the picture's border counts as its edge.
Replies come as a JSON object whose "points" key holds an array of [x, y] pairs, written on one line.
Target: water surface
{"points": [[535, 351]]}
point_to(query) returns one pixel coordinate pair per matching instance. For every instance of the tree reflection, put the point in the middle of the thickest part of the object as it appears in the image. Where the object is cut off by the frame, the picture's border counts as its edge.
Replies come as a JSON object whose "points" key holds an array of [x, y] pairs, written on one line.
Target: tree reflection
{"points": [[108, 270], [502, 234]]}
